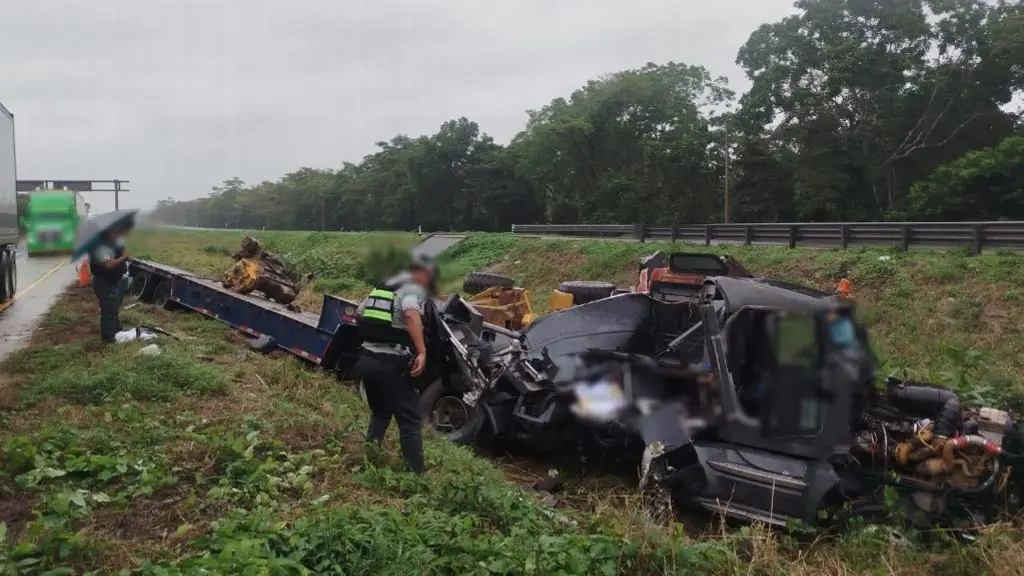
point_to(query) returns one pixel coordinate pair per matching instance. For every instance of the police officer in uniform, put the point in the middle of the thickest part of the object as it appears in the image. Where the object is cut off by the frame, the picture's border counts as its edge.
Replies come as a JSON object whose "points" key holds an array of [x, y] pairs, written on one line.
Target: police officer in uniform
{"points": [[394, 354], [108, 263]]}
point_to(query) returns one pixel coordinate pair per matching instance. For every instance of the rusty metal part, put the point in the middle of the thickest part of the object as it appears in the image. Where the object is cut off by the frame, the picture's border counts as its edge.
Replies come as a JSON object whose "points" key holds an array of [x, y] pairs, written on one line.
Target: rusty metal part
{"points": [[960, 462], [256, 270]]}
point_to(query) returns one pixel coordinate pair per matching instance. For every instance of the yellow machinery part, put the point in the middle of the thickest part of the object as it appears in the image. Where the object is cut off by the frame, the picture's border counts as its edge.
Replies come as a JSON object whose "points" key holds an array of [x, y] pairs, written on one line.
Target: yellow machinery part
{"points": [[508, 307], [560, 300], [242, 276]]}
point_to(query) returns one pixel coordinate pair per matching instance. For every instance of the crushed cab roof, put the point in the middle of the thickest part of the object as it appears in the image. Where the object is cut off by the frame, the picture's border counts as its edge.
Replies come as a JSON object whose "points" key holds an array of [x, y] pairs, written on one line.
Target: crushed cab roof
{"points": [[740, 292]]}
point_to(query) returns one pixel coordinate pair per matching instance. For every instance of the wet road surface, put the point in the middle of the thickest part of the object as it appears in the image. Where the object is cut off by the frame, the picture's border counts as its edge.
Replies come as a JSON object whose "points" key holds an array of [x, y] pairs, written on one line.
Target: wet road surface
{"points": [[41, 281]]}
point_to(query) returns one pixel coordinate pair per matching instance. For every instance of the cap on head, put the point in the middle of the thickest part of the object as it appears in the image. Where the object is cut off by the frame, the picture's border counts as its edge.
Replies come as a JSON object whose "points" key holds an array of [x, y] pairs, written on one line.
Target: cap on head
{"points": [[421, 261]]}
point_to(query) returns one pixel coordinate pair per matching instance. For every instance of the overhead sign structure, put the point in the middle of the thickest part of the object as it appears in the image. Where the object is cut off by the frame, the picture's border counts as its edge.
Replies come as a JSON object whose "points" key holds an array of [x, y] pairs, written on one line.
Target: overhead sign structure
{"points": [[114, 186], [30, 185], [79, 185]]}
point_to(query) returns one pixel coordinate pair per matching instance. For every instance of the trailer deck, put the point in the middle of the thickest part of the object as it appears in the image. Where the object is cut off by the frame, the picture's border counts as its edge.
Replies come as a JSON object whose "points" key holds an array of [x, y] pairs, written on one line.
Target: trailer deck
{"points": [[304, 334], [322, 339]]}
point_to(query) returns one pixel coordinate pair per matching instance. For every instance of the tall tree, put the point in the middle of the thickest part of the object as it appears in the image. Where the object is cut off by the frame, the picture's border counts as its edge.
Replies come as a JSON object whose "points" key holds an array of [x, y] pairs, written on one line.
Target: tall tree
{"points": [[872, 94]]}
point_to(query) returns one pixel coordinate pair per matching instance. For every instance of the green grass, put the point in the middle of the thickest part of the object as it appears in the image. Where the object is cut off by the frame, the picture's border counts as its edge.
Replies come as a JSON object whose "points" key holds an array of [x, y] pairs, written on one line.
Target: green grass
{"points": [[211, 458], [214, 459]]}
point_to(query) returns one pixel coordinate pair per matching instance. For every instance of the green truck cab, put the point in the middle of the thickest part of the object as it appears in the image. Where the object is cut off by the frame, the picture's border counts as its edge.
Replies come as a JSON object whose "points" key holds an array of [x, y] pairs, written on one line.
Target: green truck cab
{"points": [[52, 221]]}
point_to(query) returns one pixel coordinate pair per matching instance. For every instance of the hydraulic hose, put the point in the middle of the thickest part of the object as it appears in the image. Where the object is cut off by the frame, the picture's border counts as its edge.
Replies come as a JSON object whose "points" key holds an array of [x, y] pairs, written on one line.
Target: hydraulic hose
{"points": [[941, 403]]}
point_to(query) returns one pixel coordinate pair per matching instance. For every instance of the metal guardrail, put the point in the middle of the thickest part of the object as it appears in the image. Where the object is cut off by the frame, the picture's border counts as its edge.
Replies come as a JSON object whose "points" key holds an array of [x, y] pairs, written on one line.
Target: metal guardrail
{"points": [[905, 235]]}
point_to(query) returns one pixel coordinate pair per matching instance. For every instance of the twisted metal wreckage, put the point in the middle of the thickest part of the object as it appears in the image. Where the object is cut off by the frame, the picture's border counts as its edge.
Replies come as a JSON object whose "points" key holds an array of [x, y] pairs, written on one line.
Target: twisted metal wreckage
{"points": [[753, 399], [740, 395]]}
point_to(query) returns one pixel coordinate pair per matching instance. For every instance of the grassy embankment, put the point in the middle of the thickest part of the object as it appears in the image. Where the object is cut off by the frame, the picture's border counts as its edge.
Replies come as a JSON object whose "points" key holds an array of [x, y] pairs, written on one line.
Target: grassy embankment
{"points": [[212, 458], [944, 316]]}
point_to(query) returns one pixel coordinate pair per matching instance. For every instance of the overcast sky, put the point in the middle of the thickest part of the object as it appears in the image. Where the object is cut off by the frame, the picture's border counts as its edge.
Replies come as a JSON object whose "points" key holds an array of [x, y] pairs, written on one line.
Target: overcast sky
{"points": [[178, 95]]}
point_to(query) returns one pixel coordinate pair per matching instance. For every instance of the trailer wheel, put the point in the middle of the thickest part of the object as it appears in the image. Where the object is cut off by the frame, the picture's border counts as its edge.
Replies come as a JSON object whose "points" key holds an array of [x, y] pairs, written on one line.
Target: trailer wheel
{"points": [[477, 282], [13, 276], [5, 273], [162, 294], [445, 412], [584, 291], [138, 286]]}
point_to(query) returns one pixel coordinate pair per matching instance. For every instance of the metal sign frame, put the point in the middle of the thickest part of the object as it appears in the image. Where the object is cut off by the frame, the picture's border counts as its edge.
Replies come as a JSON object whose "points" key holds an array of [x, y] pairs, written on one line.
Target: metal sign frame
{"points": [[114, 186]]}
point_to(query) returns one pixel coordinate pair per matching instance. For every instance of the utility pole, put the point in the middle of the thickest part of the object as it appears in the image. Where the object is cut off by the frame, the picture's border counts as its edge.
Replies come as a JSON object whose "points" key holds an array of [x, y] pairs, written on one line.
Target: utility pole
{"points": [[322, 198], [727, 170]]}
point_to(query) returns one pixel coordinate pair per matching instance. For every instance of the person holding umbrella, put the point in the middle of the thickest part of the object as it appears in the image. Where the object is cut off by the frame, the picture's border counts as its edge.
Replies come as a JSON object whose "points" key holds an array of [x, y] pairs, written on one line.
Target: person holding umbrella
{"points": [[102, 238], [109, 265]]}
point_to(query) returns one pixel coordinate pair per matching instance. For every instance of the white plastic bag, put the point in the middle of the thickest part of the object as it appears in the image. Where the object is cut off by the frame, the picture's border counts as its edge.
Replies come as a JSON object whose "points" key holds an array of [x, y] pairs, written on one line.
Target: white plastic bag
{"points": [[133, 335]]}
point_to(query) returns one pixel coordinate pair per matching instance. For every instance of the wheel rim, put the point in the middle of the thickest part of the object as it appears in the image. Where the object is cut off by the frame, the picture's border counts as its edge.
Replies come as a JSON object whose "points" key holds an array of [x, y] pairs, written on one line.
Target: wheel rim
{"points": [[14, 275], [449, 415], [162, 294], [138, 286]]}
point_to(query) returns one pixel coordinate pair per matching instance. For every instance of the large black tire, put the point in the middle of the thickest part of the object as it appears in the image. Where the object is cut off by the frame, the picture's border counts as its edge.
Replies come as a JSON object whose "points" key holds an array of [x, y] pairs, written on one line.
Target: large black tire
{"points": [[10, 278], [584, 291], [13, 275], [5, 271], [436, 406], [477, 282]]}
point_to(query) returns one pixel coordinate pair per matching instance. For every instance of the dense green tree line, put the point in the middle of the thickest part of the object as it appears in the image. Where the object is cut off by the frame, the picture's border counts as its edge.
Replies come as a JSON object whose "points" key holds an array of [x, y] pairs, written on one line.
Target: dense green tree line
{"points": [[858, 110]]}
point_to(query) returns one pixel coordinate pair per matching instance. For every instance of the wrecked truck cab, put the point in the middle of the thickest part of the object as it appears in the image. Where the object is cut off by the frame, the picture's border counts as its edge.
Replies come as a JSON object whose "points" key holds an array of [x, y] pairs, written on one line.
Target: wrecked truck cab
{"points": [[823, 436], [715, 449]]}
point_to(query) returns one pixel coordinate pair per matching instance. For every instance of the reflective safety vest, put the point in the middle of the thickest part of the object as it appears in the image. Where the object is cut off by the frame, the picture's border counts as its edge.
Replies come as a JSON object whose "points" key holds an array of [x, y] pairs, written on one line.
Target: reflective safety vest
{"points": [[380, 305], [376, 324]]}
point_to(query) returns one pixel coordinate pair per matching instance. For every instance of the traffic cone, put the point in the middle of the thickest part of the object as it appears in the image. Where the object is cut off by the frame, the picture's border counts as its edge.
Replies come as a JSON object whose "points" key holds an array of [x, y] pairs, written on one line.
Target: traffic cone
{"points": [[845, 289], [84, 274]]}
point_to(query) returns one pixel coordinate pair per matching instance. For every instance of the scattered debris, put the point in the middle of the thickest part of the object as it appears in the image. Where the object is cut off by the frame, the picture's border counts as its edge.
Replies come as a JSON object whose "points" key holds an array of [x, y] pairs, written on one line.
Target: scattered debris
{"points": [[151, 350], [159, 330], [134, 334]]}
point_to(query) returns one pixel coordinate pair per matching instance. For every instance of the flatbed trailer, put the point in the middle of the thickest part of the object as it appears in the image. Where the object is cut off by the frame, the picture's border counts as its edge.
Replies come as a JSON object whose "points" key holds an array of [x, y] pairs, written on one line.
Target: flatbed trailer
{"points": [[311, 337], [329, 340]]}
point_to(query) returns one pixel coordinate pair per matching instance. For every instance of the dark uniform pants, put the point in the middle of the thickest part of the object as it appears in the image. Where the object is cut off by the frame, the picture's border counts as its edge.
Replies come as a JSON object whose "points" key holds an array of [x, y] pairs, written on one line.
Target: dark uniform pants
{"points": [[110, 297], [391, 392]]}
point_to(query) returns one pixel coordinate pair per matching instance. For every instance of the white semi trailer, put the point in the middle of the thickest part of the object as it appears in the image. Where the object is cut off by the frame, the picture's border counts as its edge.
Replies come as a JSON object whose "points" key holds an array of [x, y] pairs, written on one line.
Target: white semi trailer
{"points": [[8, 207]]}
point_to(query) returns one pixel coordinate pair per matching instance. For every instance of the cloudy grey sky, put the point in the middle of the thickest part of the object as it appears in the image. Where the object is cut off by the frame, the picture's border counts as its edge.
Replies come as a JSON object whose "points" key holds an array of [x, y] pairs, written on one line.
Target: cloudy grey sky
{"points": [[179, 95]]}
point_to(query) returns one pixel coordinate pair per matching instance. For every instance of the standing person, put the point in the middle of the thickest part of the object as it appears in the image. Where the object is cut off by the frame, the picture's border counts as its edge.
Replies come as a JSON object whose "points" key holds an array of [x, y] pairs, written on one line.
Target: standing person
{"points": [[394, 355], [109, 264]]}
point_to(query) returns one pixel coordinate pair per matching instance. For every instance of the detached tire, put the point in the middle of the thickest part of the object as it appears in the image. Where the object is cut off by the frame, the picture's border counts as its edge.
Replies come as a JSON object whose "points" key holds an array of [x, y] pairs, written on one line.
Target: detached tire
{"points": [[446, 413], [583, 291], [477, 282]]}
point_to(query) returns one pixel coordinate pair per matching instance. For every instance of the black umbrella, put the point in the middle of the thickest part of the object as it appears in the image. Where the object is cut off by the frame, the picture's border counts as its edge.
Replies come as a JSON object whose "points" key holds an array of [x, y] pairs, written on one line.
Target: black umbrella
{"points": [[92, 230]]}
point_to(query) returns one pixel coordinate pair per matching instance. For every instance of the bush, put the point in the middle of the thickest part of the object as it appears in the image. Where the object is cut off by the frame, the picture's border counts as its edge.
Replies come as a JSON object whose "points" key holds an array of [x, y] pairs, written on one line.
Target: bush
{"points": [[383, 259]]}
